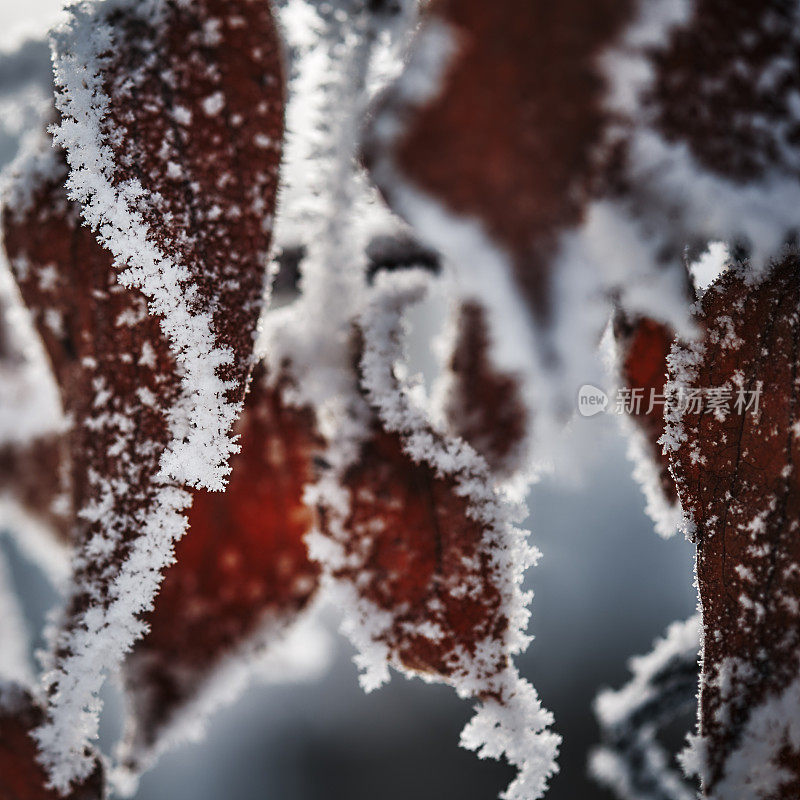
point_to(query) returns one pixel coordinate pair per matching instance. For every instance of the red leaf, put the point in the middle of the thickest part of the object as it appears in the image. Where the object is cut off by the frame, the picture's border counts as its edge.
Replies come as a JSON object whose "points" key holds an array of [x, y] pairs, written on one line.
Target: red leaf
{"points": [[482, 404], [738, 481], [519, 110], [748, 75], [118, 381], [645, 345], [244, 563], [423, 549], [414, 552], [107, 353], [188, 209], [242, 571], [21, 776], [176, 166]]}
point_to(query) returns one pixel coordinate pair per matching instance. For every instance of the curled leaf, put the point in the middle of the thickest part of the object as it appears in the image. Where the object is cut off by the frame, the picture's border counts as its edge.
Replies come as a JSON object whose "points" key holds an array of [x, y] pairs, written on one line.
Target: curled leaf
{"points": [[187, 208], [425, 553], [118, 383]]}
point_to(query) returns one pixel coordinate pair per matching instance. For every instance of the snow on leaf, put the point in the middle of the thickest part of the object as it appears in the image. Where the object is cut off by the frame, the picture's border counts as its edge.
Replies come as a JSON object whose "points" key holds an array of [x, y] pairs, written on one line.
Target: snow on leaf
{"points": [[487, 58], [663, 686], [738, 482], [21, 776], [118, 383], [481, 404], [751, 83], [696, 180], [424, 549], [172, 123], [582, 171], [514, 93], [642, 346], [242, 574]]}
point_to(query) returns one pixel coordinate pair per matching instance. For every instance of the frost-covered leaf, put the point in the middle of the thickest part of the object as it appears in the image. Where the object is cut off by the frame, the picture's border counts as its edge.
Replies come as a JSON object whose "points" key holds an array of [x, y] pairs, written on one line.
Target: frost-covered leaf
{"points": [[242, 574], [576, 172], [173, 123], [735, 460], [483, 405], [696, 179], [516, 130], [371, 466], [748, 75], [662, 688], [425, 553], [642, 346], [515, 93], [119, 386], [21, 776]]}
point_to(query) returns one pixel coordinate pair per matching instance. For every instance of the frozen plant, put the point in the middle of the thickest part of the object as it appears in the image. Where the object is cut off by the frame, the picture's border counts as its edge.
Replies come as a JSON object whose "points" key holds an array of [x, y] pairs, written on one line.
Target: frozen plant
{"points": [[219, 220]]}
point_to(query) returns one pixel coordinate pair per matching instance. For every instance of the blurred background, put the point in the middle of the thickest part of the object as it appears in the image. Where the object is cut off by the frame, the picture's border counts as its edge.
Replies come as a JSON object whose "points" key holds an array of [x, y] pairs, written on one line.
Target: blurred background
{"points": [[604, 589]]}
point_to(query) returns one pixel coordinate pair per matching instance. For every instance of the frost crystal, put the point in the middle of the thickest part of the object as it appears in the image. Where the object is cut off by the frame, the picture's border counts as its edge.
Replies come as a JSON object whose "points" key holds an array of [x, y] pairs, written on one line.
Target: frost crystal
{"points": [[736, 479], [664, 685], [153, 381], [194, 240]]}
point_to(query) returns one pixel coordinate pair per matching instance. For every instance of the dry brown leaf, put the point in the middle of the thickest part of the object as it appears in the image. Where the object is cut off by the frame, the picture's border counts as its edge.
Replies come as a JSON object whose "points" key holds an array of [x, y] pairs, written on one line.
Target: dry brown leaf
{"points": [[738, 482]]}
